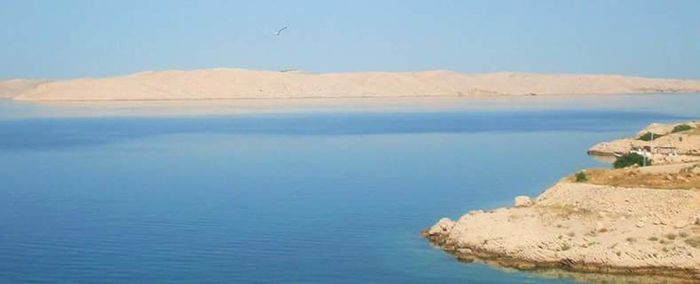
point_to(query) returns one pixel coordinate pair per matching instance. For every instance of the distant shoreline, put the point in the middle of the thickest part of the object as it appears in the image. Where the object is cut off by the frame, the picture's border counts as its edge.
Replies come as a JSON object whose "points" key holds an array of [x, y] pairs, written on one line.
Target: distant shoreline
{"points": [[262, 106], [330, 99], [240, 84]]}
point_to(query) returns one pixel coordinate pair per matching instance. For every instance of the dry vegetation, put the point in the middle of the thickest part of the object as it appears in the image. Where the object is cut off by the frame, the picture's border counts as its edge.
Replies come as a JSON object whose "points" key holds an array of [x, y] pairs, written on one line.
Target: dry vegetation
{"points": [[688, 178]]}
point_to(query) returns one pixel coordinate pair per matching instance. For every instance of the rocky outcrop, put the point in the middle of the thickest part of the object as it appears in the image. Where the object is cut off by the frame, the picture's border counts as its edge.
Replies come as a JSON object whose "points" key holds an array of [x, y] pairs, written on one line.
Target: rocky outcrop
{"points": [[584, 227], [666, 148], [522, 201], [624, 221]]}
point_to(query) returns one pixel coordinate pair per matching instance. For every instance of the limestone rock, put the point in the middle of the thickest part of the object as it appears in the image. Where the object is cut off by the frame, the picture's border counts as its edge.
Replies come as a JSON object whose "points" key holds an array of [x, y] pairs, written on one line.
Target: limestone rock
{"points": [[600, 227], [695, 170], [680, 224], [442, 227], [523, 201], [581, 223]]}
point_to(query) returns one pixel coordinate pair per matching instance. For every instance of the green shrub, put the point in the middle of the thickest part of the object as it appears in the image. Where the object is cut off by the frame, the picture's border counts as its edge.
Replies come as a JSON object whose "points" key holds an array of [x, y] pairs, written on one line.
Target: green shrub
{"points": [[681, 127], [581, 177], [565, 247], [630, 159], [648, 136]]}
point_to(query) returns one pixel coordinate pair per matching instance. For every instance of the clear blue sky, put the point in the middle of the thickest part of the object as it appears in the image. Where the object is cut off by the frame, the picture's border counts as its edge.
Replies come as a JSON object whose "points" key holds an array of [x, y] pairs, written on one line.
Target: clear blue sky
{"points": [[65, 39]]}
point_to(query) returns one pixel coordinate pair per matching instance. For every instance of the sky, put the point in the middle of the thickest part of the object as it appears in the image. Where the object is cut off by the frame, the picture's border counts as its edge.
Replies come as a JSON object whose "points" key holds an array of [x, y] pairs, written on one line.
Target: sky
{"points": [[70, 39]]}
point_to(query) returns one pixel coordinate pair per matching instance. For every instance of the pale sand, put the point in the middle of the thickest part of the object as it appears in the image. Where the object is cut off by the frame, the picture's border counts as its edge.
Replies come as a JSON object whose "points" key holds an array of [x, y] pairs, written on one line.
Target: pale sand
{"points": [[215, 84]]}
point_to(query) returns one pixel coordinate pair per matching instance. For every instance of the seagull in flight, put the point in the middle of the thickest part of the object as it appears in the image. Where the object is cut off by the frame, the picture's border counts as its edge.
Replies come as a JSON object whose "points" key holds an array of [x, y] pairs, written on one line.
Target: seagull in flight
{"points": [[278, 32]]}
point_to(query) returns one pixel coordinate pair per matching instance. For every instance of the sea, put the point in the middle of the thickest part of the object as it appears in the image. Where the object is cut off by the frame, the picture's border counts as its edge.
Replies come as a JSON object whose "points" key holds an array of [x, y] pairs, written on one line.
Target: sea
{"points": [[296, 196]]}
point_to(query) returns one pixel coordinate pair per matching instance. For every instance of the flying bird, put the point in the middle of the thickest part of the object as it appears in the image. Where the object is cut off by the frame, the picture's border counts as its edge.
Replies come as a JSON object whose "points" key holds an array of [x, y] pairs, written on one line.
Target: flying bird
{"points": [[278, 32]]}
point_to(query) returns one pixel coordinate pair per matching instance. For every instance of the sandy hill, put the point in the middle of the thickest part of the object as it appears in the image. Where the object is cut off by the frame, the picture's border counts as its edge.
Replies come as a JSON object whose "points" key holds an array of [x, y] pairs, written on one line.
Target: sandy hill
{"points": [[12, 88], [238, 83]]}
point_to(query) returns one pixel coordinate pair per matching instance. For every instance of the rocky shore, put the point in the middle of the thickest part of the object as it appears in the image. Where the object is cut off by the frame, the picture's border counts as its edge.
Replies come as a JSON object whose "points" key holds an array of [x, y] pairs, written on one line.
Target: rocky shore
{"points": [[665, 146], [601, 224]]}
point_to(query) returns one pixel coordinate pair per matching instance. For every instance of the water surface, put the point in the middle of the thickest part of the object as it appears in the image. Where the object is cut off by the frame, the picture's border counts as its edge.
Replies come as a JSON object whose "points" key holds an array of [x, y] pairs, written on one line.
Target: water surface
{"points": [[300, 197]]}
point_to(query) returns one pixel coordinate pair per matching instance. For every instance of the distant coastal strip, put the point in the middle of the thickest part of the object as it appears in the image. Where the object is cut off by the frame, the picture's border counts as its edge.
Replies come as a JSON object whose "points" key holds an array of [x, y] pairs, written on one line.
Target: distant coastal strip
{"points": [[226, 84], [642, 217]]}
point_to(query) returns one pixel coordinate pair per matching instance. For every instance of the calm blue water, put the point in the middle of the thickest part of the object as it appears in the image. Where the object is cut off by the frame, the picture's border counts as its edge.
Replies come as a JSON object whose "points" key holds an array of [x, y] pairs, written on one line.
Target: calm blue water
{"points": [[310, 198]]}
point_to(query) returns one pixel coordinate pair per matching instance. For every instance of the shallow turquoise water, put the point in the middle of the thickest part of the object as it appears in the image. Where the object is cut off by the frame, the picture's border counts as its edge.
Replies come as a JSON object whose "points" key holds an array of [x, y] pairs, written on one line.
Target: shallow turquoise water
{"points": [[311, 198]]}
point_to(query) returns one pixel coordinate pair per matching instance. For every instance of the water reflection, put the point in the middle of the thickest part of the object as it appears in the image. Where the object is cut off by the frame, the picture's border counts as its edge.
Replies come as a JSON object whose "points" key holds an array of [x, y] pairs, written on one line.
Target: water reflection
{"points": [[73, 132]]}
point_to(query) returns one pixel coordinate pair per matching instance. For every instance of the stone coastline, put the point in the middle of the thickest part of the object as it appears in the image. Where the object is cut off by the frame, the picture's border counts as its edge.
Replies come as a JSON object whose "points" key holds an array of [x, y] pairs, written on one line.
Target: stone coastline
{"points": [[590, 226]]}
